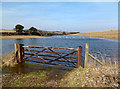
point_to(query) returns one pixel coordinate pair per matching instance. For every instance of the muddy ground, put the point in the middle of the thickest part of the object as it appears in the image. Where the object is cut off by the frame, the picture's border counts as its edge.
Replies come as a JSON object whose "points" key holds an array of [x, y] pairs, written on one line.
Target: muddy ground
{"points": [[31, 75]]}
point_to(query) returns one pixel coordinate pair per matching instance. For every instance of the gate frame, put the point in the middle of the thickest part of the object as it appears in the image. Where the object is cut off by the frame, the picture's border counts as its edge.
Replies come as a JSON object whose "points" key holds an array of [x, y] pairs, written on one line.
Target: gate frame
{"points": [[20, 49]]}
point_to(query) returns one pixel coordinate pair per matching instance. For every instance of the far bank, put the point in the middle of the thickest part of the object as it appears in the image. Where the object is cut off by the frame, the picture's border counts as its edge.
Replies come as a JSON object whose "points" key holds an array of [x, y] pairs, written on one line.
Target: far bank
{"points": [[22, 37], [108, 34]]}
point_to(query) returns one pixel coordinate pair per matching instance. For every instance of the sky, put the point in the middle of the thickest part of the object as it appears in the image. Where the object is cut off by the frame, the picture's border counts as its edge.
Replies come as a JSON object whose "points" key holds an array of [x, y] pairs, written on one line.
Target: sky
{"points": [[61, 16]]}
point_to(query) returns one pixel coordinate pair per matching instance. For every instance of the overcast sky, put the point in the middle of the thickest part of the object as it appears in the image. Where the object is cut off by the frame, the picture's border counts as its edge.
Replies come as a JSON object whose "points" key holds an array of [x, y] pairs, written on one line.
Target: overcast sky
{"points": [[61, 16]]}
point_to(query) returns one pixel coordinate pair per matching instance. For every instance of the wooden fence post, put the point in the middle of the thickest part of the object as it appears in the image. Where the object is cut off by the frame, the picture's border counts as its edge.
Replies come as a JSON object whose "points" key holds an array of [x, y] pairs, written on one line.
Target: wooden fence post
{"points": [[86, 55], [20, 53], [16, 49], [79, 56]]}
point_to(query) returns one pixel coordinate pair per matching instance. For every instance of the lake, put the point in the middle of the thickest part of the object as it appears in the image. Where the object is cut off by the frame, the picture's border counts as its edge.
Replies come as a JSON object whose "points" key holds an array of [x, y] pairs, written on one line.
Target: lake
{"points": [[97, 46]]}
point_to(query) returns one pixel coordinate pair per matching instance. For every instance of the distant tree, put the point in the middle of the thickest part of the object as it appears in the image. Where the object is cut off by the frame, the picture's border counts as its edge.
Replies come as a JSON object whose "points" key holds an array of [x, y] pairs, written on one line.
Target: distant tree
{"points": [[73, 32], [42, 33], [19, 28], [33, 30], [64, 33]]}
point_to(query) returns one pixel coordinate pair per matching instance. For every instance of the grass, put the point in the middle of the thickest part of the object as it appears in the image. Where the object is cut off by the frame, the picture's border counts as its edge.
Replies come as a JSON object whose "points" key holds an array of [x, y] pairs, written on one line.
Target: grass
{"points": [[9, 60], [32, 77], [94, 75], [109, 34], [104, 76], [22, 37], [35, 79]]}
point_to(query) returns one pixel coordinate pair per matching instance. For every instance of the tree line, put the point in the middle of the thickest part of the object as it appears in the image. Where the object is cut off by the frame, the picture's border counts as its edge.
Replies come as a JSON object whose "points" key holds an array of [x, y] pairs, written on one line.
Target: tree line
{"points": [[34, 31]]}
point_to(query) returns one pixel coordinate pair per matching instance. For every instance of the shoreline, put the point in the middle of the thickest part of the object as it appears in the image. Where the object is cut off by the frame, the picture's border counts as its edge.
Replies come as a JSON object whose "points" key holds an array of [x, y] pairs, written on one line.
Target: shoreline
{"points": [[34, 36], [108, 34], [22, 37], [108, 38]]}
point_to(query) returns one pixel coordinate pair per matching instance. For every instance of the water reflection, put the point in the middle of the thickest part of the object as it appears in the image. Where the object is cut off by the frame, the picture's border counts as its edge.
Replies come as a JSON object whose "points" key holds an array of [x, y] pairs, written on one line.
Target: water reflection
{"points": [[24, 68]]}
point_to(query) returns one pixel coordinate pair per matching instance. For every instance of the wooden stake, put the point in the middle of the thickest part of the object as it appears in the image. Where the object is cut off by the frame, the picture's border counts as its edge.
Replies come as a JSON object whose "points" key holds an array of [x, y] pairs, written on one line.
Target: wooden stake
{"points": [[86, 55], [16, 48], [96, 59], [20, 53], [79, 56]]}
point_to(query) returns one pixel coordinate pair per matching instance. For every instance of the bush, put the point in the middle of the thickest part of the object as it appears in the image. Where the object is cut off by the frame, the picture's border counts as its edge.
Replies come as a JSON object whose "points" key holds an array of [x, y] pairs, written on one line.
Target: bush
{"points": [[19, 29], [33, 31]]}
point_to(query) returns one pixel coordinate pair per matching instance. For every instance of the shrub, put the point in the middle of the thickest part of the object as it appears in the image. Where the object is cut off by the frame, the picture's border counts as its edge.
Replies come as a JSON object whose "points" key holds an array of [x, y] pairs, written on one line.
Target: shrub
{"points": [[19, 29]]}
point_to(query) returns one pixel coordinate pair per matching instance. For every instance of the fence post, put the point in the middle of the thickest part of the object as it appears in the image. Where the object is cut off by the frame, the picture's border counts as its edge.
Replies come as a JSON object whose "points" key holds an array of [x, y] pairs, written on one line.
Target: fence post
{"points": [[86, 55], [20, 53], [22, 50], [16, 49], [79, 56]]}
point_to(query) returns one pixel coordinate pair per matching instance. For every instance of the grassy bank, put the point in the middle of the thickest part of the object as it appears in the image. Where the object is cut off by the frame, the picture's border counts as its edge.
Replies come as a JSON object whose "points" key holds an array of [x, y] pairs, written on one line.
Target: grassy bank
{"points": [[94, 75], [108, 34], [21, 37], [104, 76]]}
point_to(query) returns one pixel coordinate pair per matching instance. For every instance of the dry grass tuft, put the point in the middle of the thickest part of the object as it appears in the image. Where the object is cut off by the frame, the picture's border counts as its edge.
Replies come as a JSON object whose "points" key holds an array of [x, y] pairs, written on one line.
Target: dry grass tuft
{"points": [[9, 60]]}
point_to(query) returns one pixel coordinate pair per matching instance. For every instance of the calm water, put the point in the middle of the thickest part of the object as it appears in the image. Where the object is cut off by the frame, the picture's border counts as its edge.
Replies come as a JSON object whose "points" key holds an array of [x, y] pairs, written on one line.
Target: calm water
{"points": [[106, 47]]}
